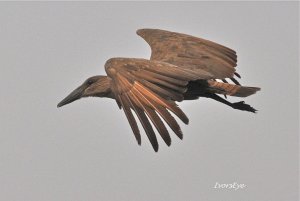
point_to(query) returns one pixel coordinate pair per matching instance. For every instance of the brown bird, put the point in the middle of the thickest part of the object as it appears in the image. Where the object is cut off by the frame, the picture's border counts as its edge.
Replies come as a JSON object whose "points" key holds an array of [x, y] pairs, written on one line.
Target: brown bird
{"points": [[181, 67]]}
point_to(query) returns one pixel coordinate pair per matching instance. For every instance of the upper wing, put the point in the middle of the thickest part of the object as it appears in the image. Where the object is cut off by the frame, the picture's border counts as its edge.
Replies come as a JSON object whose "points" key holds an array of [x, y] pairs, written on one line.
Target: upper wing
{"points": [[190, 52], [150, 89]]}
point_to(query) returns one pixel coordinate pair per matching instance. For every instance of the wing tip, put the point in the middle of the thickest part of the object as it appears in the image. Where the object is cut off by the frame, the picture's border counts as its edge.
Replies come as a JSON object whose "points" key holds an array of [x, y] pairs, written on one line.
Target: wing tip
{"points": [[155, 148], [141, 32], [181, 137], [146, 32]]}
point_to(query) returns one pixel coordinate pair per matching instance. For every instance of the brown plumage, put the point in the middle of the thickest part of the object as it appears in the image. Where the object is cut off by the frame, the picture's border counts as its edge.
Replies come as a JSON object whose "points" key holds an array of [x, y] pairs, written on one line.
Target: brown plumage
{"points": [[181, 67]]}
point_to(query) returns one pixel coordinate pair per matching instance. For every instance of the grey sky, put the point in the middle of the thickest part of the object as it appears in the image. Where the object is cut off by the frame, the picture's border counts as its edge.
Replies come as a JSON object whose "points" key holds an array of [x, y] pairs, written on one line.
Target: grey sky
{"points": [[86, 150]]}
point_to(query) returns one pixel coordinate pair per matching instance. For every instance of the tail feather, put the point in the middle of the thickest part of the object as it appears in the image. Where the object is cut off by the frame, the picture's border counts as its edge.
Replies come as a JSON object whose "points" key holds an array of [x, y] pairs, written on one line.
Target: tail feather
{"points": [[231, 89]]}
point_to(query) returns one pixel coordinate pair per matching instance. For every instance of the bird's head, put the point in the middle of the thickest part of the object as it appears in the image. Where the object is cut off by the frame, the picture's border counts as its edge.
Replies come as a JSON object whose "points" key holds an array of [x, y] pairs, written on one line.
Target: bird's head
{"points": [[98, 86]]}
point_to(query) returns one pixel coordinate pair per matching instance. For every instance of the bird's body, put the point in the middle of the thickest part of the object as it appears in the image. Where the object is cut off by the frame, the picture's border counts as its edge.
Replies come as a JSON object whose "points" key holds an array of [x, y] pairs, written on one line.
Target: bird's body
{"points": [[181, 67]]}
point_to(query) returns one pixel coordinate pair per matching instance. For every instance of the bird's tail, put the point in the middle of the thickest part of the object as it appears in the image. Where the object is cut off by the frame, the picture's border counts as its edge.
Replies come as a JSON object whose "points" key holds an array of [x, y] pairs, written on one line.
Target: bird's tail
{"points": [[231, 89]]}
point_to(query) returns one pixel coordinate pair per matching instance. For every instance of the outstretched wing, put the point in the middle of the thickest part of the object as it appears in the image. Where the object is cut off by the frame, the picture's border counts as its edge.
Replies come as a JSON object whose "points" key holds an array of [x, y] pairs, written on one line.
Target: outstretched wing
{"points": [[150, 89], [192, 53]]}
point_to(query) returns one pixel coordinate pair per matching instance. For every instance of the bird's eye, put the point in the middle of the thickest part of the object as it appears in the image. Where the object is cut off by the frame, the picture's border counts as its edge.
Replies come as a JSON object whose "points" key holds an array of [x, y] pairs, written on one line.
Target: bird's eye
{"points": [[89, 82]]}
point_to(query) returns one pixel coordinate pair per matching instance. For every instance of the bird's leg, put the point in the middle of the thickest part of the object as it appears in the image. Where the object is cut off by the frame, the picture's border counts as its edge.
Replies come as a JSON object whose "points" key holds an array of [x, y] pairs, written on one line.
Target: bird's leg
{"points": [[237, 105]]}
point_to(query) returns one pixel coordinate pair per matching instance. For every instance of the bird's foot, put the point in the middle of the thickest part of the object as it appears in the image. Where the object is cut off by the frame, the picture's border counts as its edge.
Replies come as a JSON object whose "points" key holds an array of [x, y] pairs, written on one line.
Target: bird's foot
{"points": [[243, 106]]}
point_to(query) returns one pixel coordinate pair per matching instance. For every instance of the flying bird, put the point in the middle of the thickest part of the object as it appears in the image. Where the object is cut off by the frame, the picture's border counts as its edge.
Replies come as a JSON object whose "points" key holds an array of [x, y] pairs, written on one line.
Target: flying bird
{"points": [[181, 67]]}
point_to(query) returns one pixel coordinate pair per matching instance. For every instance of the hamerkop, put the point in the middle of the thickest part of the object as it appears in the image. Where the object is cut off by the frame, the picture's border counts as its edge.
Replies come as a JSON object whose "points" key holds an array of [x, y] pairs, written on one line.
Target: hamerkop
{"points": [[181, 67]]}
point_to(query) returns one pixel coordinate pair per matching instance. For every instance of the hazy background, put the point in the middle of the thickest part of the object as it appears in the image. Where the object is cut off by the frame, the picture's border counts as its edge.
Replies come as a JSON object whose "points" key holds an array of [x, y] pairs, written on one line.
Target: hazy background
{"points": [[86, 151]]}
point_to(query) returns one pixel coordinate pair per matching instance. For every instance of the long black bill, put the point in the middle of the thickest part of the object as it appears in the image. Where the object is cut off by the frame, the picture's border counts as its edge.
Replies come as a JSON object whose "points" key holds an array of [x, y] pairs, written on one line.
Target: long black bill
{"points": [[73, 96]]}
